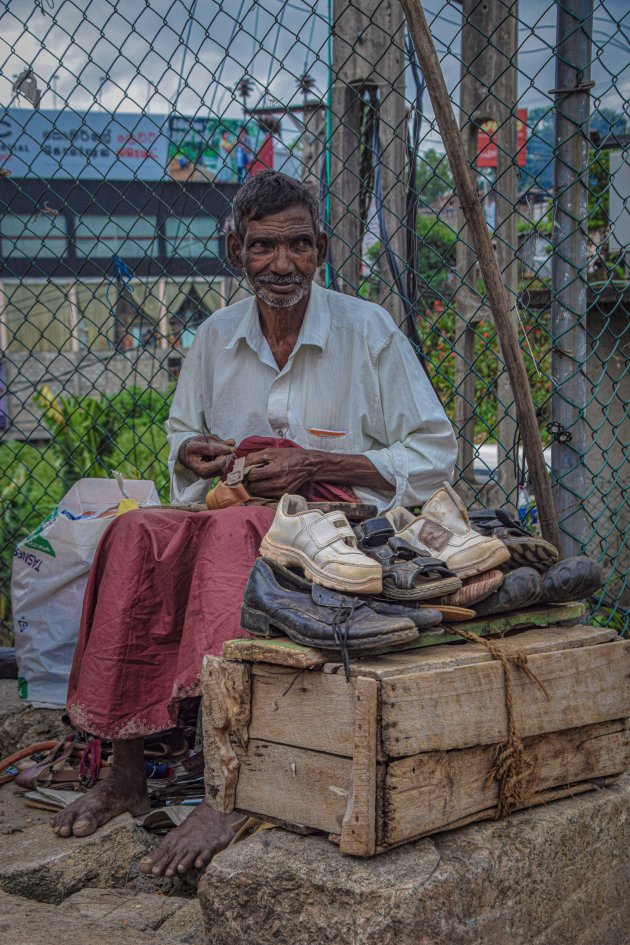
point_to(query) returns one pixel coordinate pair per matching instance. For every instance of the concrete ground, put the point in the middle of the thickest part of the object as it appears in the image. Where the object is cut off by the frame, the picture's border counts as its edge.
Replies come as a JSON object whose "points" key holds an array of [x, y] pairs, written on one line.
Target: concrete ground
{"points": [[79, 891]]}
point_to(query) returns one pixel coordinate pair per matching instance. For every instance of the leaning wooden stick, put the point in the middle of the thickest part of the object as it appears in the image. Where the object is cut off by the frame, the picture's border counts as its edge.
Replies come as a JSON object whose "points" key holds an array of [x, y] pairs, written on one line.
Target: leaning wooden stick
{"points": [[497, 295]]}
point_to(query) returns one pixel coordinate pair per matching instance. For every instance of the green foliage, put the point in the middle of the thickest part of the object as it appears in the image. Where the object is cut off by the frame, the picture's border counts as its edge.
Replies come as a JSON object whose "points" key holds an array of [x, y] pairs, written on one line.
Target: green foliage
{"points": [[434, 178], [436, 254], [90, 437]]}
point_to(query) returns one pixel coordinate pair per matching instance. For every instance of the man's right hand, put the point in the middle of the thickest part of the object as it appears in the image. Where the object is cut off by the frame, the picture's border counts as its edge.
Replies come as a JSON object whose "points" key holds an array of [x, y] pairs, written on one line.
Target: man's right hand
{"points": [[206, 455]]}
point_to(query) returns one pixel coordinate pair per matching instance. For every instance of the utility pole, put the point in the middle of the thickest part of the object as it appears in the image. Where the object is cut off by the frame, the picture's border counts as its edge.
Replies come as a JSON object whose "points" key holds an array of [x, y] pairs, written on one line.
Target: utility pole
{"points": [[568, 267], [368, 67], [488, 92]]}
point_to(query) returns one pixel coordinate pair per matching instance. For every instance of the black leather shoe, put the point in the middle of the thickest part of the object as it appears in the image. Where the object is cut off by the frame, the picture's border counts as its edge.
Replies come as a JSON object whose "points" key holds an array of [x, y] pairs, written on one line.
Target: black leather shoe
{"points": [[322, 618], [422, 619]]}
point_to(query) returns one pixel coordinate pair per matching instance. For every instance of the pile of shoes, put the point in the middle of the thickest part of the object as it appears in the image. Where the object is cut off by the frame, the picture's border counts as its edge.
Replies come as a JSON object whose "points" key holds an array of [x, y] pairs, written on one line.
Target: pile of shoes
{"points": [[380, 584]]}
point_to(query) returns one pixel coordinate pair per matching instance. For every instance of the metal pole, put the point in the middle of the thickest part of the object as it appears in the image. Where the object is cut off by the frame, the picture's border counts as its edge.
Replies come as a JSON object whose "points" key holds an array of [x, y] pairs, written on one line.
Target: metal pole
{"points": [[568, 272]]}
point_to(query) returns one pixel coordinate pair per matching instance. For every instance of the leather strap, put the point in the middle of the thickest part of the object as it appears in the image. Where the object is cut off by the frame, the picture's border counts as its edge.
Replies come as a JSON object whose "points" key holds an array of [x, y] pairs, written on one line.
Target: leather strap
{"points": [[224, 496], [374, 532]]}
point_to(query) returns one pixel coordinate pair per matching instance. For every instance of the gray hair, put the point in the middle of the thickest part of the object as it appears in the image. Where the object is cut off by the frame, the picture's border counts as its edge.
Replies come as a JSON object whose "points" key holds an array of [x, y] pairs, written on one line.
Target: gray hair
{"points": [[271, 192]]}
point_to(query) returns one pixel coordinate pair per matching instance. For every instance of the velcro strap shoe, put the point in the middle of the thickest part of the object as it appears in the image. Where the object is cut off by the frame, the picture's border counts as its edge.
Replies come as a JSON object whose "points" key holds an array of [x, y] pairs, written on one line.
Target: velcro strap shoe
{"points": [[323, 545], [443, 529]]}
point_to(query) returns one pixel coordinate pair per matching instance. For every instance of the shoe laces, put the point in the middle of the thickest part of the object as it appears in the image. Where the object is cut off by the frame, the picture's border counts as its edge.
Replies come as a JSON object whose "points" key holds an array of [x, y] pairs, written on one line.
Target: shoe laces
{"points": [[341, 628]]}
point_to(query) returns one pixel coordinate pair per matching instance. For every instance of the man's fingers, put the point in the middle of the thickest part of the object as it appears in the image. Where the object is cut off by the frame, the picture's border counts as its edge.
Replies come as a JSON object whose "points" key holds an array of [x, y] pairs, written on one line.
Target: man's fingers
{"points": [[212, 448]]}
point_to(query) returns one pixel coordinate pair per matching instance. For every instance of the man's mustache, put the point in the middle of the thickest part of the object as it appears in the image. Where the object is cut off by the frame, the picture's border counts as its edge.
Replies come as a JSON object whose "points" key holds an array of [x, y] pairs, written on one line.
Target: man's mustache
{"points": [[280, 280]]}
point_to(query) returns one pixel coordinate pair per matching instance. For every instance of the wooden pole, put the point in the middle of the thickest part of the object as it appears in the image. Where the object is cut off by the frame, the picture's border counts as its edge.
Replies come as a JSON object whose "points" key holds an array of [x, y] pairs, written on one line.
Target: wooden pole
{"points": [[497, 296]]}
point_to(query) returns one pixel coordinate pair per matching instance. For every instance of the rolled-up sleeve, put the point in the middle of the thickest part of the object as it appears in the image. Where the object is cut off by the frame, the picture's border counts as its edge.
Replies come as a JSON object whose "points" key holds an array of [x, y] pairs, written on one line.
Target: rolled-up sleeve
{"points": [[186, 419], [421, 447]]}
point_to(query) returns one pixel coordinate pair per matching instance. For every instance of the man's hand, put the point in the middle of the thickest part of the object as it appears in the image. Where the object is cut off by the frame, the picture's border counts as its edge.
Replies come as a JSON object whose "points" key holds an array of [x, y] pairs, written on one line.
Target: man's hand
{"points": [[279, 470], [206, 455]]}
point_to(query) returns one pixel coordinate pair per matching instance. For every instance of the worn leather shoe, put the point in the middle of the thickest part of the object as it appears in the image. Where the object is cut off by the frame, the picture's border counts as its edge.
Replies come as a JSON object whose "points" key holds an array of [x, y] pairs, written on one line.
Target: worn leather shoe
{"points": [[318, 617], [323, 545], [443, 529], [423, 619]]}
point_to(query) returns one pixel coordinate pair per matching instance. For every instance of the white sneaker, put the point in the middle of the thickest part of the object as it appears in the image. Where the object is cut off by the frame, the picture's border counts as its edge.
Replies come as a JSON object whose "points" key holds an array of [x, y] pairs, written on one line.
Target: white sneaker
{"points": [[443, 529], [323, 545]]}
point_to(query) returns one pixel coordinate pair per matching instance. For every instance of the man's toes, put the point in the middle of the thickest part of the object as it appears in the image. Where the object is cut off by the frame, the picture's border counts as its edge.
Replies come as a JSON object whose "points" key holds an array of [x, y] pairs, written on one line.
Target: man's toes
{"points": [[83, 826], [203, 859], [146, 864], [185, 862]]}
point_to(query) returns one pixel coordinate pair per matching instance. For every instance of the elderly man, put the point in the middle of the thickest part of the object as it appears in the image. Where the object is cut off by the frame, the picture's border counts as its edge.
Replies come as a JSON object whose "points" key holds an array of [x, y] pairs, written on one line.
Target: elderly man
{"points": [[294, 363]]}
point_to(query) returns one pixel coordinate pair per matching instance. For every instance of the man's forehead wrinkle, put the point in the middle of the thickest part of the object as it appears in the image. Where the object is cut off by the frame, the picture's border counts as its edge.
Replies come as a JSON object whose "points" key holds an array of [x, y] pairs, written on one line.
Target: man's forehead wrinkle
{"points": [[258, 229]]}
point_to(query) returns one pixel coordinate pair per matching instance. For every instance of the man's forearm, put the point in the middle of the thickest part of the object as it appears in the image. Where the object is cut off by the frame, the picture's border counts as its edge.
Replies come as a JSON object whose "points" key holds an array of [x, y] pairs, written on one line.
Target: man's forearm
{"points": [[350, 469]]}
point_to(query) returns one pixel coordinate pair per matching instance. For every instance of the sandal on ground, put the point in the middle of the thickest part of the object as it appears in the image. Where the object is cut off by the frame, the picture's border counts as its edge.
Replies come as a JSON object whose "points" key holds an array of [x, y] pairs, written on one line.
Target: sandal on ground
{"points": [[526, 550]]}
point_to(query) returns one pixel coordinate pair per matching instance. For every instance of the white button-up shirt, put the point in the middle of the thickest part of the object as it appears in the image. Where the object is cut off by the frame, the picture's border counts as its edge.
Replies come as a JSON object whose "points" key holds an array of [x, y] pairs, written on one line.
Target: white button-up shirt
{"points": [[353, 384]]}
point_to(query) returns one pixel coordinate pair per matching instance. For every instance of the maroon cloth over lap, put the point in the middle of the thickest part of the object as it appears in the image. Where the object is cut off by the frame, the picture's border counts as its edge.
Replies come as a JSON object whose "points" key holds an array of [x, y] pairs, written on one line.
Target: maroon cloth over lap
{"points": [[165, 589]]}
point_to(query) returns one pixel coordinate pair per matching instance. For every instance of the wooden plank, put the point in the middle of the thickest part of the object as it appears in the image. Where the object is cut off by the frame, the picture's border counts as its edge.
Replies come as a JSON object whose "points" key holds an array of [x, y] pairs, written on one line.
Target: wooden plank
{"points": [[439, 790], [225, 691], [305, 788], [542, 797], [358, 829], [280, 651], [536, 640], [556, 615], [464, 706], [297, 707]]}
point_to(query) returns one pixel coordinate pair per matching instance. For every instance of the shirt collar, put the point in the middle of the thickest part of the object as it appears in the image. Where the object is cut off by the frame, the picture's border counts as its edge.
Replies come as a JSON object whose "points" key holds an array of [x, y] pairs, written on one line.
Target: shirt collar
{"points": [[314, 331]]}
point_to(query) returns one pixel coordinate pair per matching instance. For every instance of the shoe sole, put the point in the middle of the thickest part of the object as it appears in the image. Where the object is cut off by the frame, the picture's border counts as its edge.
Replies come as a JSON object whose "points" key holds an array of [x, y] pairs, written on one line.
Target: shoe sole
{"points": [[293, 557], [533, 553], [492, 559], [262, 625], [430, 589]]}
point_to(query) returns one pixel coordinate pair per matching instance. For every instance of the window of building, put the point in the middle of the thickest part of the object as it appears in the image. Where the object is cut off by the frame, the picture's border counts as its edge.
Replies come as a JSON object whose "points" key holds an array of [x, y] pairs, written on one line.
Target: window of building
{"points": [[189, 315], [130, 237], [192, 237], [33, 235]]}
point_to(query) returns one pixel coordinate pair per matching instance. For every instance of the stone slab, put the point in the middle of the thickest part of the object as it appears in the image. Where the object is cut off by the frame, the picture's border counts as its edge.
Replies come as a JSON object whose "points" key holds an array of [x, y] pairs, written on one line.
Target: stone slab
{"points": [[39, 865], [555, 875], [124, 908], [22, 725]]}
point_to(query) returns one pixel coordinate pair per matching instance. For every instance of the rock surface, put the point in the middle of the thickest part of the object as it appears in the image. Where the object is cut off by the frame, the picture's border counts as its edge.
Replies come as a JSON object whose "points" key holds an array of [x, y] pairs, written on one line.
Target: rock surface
{"points": [[555, 875], [38, 865], [99, 915], [21, 725]]}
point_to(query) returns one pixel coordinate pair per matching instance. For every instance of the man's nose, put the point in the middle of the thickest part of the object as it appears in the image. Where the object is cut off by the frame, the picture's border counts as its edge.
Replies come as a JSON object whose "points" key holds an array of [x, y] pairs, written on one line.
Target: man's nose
{"points": [[282, 262]]}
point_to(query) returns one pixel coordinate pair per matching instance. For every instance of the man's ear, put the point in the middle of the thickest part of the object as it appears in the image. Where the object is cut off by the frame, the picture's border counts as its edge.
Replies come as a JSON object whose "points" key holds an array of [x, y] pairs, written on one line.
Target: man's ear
{"points": [[321, 244], [234, 254]]}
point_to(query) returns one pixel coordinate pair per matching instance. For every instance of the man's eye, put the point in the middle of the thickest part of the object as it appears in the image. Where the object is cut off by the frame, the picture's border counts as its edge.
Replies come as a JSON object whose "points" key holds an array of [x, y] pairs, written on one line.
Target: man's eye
{"points": [[302, 243]]}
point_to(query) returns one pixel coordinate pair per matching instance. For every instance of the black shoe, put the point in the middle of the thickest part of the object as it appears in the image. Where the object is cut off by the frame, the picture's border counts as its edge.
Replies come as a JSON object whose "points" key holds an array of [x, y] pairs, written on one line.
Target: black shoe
{"points": [[423, 619], [322, 618], [520, 589], [572, 579], [526, 550]]}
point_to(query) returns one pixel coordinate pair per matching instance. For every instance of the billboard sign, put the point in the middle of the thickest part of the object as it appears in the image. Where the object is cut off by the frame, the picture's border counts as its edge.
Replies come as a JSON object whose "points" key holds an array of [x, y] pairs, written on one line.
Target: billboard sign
{"points": [[89, 145], [223, 150], [486, 147]]}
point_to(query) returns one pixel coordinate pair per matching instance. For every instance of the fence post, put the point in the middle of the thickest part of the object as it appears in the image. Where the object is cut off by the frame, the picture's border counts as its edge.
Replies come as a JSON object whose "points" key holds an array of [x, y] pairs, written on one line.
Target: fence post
{"points": [[568, 268]]}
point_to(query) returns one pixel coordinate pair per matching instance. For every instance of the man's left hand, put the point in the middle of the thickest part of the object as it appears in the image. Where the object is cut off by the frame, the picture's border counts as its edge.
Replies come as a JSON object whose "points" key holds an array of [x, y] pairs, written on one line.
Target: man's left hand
{"points": [[278, 471]]}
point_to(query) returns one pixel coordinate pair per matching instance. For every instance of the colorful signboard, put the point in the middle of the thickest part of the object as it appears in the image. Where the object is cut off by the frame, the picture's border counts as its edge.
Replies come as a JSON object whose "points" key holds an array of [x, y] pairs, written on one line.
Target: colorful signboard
{"points": [[90, 145], [487, 149], [223, 150]]}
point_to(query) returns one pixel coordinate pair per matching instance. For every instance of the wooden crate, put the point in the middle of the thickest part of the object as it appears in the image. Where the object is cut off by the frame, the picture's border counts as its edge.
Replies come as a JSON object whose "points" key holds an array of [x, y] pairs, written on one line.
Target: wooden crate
{"points": [[405, 748]]}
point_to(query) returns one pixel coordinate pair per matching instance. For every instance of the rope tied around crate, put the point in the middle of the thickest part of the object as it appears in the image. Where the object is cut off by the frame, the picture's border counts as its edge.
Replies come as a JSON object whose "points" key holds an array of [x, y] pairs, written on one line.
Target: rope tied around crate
{"points": [[512, 768]]}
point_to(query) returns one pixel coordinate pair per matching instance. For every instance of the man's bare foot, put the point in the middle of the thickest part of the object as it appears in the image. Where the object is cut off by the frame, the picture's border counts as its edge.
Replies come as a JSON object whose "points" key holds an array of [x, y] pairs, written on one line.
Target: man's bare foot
{"points": [[102, 803], [204, 833], [124, 790]]}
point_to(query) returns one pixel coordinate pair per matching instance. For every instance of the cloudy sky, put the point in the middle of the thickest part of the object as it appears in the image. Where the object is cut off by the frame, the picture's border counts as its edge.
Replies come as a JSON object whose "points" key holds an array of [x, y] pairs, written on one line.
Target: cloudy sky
{"points": [[189, 55]]}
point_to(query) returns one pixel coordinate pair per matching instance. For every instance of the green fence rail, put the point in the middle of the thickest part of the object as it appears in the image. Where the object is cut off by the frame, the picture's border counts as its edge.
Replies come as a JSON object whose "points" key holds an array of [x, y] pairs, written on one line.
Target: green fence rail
{"points": [[126, 129]]}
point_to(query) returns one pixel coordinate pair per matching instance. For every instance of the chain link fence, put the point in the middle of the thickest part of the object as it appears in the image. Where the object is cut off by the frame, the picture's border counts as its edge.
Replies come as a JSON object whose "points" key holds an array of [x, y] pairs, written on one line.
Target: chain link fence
{"points": [[126, 129]]}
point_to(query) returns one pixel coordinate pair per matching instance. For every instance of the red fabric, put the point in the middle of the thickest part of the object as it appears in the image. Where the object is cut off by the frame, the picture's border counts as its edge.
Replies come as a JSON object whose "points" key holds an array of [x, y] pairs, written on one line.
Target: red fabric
{"points": [[313, 491], [165, 589], [264, 158]]}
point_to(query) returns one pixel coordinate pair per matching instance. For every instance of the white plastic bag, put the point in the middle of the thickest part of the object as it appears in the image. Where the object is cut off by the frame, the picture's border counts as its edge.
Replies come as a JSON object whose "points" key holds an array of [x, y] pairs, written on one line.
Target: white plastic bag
{"points": [[50, 572]]}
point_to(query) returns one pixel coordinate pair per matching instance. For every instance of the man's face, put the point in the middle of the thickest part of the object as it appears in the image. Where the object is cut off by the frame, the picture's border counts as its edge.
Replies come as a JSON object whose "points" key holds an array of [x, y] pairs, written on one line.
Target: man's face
{"points": [[280, 255]]}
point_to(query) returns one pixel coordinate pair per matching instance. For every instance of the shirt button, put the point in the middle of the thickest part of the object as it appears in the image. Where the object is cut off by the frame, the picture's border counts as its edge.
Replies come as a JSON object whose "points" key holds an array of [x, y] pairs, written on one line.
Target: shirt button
{"points": [[280, 433]]}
